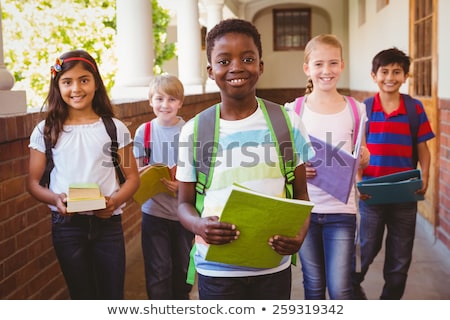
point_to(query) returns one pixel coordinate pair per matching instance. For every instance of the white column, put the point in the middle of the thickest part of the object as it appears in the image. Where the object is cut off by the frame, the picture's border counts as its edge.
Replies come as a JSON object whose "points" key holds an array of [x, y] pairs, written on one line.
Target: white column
{"points": [[11, 102], [135, 52], [189, 46], [214, 14]]}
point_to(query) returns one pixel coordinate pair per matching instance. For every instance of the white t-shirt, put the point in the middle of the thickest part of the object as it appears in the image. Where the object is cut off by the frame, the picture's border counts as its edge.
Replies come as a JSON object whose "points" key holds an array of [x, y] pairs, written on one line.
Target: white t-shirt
{"points": [[338, 126], [81, 155], [245, 157]]}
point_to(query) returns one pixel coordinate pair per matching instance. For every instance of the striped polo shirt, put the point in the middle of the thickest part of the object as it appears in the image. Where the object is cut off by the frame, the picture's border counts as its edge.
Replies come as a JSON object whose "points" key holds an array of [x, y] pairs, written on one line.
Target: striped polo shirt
{"points": [[389, 139]]}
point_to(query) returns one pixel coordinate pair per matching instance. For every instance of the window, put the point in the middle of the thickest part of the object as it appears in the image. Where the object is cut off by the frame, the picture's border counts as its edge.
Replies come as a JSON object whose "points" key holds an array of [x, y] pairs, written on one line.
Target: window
{"points": [[422, 58], [292, 29]]}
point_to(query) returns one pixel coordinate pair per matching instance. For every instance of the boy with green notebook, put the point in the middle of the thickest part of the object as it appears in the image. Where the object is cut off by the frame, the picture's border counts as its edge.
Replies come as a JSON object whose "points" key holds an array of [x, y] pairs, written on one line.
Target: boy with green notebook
{"points": [[247, 155]]}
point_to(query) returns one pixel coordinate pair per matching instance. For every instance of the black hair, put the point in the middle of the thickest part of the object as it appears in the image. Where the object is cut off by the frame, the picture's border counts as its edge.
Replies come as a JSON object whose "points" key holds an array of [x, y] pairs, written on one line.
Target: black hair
{"points": [[232, 26], [391, 56]]}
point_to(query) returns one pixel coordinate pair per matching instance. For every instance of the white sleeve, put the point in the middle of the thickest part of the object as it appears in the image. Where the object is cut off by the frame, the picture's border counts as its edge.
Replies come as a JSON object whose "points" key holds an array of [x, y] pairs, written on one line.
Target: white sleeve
{"points": [[37, 137], [185, 169]]}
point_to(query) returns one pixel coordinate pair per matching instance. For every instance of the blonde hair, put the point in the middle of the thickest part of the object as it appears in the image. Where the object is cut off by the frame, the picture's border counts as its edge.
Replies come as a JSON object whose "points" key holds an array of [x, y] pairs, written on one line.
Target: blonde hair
{"points": [[327, 39], [168, 84]]}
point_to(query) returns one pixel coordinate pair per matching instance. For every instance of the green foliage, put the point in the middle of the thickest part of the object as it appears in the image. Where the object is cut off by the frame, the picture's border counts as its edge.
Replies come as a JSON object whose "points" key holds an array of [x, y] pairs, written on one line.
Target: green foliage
{"points": [[36, 32], [163, 51]]}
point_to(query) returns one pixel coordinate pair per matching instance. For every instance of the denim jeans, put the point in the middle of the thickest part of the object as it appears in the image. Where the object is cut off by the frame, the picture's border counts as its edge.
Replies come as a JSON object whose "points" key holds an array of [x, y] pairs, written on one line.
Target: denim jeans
{"points": [[275, 286], [400, 221], [91, 253], [326, 256], [166, 245]]}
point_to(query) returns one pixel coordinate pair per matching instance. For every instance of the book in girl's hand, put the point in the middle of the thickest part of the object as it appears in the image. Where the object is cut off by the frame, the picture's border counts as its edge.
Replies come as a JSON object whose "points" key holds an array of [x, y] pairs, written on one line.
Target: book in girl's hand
{"points": [[85, 197]]}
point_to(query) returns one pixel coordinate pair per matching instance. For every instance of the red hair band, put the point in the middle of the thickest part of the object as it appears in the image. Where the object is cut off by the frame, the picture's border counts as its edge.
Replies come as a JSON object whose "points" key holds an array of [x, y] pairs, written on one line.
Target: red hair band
{"points": [[59, 61]]}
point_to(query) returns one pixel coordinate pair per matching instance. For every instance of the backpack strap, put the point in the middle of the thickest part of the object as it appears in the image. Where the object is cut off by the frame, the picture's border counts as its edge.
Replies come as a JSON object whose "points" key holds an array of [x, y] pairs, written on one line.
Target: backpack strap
{"points": [[45, 179], [112, 132], [147, 137], [413, 119], [299, 105], [369, 106], [204, 154], [205, 151], [281, 131], [355, 117]]}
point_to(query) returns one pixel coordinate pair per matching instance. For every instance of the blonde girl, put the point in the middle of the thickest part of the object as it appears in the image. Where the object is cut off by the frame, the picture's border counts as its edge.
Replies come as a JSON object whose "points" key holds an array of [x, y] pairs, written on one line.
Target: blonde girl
{"points": [[326, 255]]}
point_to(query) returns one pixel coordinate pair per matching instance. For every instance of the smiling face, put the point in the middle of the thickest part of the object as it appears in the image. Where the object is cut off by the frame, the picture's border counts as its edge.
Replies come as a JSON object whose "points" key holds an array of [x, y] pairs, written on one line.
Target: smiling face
{"points": [[390, 78], [235, 65], [324, 66], [165, 108], [77, 88]]}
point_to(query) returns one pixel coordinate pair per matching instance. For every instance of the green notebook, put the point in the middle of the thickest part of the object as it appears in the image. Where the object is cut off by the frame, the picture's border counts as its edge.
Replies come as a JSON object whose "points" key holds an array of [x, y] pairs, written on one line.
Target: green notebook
{"points": [[258, 217]]}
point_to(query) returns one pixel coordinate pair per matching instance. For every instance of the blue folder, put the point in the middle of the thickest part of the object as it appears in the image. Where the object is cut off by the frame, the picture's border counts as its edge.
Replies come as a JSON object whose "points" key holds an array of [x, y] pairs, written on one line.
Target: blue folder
{"points": [[392, 188]]}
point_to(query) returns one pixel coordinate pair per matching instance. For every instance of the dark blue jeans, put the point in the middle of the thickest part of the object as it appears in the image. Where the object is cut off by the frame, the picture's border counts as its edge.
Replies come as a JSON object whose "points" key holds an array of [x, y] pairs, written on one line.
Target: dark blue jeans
{"points": [[326, 256], [400, 221], [166, 245], [91, 253], [275, 286]]}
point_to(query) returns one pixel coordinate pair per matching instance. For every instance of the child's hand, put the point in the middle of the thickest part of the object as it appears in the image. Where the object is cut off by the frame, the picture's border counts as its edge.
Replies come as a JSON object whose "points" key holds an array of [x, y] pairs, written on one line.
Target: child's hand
{"points": [[215, 232], [61, 204], [171, 185], [108, 211], [310, 171], [285, 245], [364, 157], [424, 188], [364, 196]]}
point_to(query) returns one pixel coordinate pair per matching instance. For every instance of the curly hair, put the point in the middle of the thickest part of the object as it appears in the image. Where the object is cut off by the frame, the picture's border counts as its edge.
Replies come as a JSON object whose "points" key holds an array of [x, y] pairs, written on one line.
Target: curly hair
{"points": [[57, 109], [232, 26]]}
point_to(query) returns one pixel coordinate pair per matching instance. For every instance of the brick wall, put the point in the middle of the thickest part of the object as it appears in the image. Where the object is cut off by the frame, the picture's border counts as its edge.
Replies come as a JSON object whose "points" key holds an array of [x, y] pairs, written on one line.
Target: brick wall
{"points": [[443, 230], [28, 265]]}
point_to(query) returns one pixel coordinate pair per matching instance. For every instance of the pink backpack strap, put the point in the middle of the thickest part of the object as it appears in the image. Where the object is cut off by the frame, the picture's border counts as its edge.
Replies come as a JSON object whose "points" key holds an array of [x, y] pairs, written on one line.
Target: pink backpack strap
{"points": [[356, 118], [299, 104], [147, 134]]}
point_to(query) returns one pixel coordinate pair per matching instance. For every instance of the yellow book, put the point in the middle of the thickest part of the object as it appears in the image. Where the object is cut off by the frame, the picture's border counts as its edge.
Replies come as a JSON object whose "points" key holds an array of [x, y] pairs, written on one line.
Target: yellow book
{"points": [[85, 197], [84, 190], [151, 184], [258, 217]]}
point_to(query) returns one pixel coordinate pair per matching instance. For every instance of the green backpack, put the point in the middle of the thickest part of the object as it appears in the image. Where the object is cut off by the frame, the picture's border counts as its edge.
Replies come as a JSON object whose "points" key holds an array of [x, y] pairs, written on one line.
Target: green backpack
{"points": [[206, 125]]}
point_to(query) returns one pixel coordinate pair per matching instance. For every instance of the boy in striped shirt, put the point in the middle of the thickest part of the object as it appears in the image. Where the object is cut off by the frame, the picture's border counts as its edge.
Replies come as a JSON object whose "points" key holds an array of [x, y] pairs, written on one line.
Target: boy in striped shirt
{"points": [[391, 145]]}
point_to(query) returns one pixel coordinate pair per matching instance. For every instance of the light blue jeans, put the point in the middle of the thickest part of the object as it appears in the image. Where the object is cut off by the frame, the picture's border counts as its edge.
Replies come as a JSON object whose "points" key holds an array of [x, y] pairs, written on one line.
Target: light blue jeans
{"points": [[326, 256]]}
